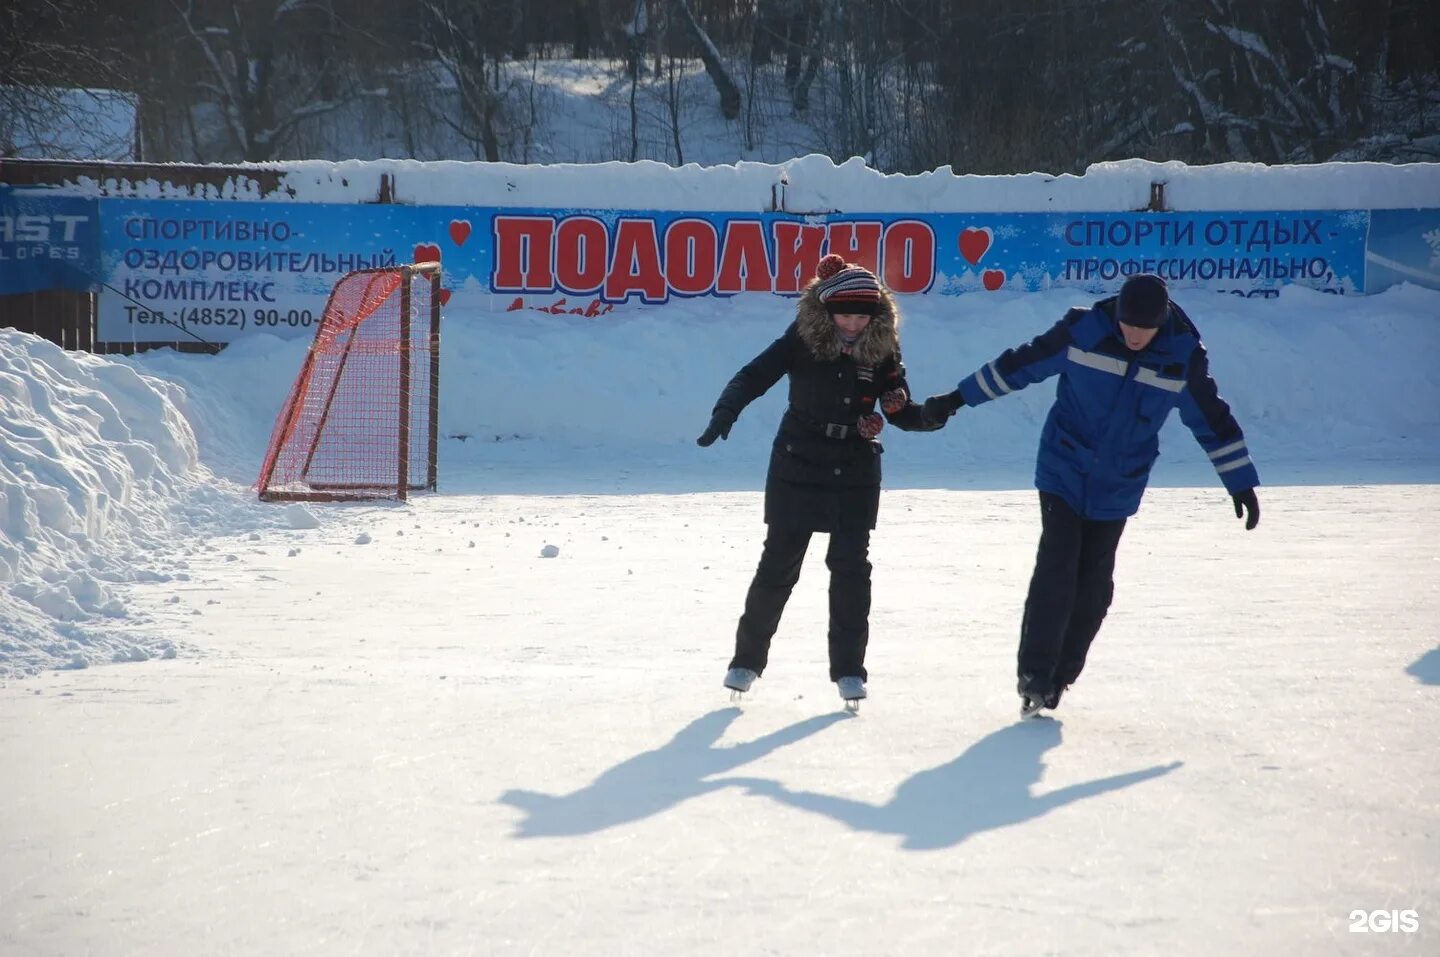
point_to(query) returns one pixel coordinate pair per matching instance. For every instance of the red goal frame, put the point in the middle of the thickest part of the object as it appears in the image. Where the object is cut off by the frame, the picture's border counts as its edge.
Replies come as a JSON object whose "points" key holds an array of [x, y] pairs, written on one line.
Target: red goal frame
{"points": [[361, 421]]}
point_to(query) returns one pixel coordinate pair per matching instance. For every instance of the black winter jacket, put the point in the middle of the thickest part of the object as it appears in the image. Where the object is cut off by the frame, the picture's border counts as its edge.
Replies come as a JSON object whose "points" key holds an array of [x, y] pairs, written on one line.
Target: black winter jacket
{"points": [[823, 475]]}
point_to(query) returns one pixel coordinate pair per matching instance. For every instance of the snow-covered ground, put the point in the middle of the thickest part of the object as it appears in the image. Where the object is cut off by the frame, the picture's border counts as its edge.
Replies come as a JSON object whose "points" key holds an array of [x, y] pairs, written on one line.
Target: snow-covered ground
{"points": [[438, 742], [388, 729], [113, 470]]}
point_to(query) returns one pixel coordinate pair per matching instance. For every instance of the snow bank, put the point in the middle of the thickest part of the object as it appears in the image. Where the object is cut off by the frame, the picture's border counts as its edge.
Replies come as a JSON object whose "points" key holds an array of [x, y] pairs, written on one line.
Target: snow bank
{"points": [[99, 473]]}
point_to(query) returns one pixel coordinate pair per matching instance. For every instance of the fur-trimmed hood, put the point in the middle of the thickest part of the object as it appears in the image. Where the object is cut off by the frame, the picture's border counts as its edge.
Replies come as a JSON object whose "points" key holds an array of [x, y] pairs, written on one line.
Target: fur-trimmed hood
{"points": [[879, 341]]}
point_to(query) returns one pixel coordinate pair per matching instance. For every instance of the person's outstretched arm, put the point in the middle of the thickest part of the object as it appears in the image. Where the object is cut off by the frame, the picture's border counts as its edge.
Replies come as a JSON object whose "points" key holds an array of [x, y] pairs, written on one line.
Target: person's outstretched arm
{"points": [[895, 401], [1011, 371], [747, 385]]}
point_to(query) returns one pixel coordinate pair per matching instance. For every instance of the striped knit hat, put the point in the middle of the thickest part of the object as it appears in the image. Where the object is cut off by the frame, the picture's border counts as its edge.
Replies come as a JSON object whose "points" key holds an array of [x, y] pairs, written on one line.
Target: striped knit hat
{"points": [[845, 287]]}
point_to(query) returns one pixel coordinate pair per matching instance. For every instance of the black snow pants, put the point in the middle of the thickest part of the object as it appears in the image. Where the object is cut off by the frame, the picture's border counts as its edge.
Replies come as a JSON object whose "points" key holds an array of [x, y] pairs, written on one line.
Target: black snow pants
{"points": [[779, 570], [1069, 593]]}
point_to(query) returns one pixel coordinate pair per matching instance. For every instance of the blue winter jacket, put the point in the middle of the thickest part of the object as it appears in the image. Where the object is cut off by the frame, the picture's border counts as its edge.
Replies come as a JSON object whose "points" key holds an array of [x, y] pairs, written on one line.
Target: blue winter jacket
{"points": [[1101, 437]]}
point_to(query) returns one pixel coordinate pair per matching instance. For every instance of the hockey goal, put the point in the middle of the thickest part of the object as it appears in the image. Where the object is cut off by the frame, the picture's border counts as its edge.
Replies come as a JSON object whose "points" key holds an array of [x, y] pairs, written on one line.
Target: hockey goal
{"points": [[360, 421]]}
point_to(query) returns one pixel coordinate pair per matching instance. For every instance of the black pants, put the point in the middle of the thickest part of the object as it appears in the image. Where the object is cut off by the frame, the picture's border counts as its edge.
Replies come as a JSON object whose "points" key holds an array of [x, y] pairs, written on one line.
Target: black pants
{"points": [[1069, 593], [779, 570]]}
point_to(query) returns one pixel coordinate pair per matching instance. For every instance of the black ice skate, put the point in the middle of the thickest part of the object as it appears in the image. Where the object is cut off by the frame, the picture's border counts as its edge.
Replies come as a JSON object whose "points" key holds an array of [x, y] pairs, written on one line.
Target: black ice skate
{"points": [[1034, 696]]}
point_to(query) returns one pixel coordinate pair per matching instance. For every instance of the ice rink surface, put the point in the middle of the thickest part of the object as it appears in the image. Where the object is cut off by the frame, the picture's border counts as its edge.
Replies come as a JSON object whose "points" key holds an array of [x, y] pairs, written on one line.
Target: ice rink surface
{"points": [[405, 732]]}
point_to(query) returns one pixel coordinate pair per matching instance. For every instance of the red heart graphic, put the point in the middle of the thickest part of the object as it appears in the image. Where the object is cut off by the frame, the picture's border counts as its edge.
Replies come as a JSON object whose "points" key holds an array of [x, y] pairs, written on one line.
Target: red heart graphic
{"points": [[444, 296], [974, 243], [427, 253], [459, 231], [993, 278]]}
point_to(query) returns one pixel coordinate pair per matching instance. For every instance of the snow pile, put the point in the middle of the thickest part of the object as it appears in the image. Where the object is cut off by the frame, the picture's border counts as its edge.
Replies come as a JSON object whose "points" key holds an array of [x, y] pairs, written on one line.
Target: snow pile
{"points": [[98, 472], [231, 400]]}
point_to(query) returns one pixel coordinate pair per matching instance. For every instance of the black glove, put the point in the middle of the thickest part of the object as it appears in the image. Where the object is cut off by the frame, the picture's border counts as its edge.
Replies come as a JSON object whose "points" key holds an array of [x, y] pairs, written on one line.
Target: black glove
{"points": [[938, 408], [719, 427], [1247, 505]]}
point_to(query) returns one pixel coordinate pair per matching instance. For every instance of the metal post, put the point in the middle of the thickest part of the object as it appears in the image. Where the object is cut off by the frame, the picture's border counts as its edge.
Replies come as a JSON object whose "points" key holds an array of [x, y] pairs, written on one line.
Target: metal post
{"points": [[432, 472], [403, 486]]}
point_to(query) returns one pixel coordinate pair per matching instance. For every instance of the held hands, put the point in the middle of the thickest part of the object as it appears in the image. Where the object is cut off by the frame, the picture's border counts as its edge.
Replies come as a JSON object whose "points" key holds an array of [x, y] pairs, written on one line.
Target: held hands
{"points": [[870, 425], [894, 400], [1248, 506], [938, 408], [719, 427]]}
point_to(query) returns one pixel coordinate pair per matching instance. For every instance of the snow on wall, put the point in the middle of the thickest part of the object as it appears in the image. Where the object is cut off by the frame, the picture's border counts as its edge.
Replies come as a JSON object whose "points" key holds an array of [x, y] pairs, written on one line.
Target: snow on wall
{"points": [[816, 183]]}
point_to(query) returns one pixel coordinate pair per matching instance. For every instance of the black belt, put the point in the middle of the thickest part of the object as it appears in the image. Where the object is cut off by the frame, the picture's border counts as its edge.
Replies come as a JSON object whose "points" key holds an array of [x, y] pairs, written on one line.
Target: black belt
{"points": [[831, 430]]}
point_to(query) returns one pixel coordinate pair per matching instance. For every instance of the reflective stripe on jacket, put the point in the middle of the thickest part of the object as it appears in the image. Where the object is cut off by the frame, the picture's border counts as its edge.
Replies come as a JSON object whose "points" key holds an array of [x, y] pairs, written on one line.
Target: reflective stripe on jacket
{"points": [[1100, 439]]}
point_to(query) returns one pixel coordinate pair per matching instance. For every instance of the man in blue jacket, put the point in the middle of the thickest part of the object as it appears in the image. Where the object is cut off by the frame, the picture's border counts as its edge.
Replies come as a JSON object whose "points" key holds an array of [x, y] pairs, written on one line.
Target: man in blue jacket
{"points": [[1123, 364]]}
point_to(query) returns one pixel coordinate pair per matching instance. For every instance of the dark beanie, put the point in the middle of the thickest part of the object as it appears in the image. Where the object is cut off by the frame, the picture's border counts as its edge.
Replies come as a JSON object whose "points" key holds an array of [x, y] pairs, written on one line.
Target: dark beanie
{"points": [[1144, 302]]}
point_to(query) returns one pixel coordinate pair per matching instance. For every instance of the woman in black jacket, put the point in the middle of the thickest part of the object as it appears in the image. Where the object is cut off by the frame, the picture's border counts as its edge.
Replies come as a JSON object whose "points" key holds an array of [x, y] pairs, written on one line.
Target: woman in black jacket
{"points": [[842, 354]]}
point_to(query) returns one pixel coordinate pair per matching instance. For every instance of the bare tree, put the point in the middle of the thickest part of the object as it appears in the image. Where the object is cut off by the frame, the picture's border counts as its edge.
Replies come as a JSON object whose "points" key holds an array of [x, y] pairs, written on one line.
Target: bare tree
{"points": [[673, 106], [455, 35], [1401, 91], [1268, 82], [582, 21], [636, 30], [714, 65], [913, 84], [253, 67], [673, 88], [63, 93], [805, 46]]}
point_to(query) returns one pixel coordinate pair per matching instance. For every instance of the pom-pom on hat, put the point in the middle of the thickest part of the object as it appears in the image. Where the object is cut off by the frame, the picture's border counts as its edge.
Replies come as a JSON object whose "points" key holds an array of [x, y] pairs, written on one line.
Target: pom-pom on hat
{"points": [[1144, 302], [846, 287]]}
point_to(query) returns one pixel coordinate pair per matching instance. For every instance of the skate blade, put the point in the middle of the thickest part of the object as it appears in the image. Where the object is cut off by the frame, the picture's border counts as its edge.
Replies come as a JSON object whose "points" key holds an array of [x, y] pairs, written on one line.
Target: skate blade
{"points": [[852, 705], [736, 696]]}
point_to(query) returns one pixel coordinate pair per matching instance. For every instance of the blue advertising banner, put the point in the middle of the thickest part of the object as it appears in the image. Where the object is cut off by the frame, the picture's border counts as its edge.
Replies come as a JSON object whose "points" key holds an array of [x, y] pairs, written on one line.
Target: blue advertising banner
{"points": [[1249, 253], [1404, 246], [619, 254], [47, 241], [222, 269]]}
